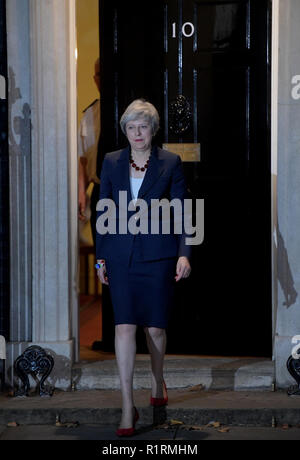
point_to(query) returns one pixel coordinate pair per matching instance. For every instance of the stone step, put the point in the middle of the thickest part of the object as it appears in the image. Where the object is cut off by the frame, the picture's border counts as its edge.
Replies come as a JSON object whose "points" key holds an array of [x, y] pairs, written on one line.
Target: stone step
{"points": [[213, 373], [190, 405]]}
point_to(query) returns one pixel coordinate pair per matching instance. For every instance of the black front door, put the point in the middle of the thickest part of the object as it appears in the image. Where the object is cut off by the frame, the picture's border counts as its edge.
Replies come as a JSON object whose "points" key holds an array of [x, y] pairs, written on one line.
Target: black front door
{"points": [[213, 59]]}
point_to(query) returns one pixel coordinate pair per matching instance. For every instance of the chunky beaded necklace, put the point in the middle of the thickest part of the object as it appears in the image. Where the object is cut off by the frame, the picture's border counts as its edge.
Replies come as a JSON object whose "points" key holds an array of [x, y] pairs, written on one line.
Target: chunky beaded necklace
{"points": [[137, 168]]}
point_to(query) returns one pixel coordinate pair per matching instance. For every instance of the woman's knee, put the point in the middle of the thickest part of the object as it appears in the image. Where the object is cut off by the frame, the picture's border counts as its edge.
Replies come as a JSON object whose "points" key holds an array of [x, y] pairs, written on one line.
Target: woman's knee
{"points": [[125, 330], [155, 332]]}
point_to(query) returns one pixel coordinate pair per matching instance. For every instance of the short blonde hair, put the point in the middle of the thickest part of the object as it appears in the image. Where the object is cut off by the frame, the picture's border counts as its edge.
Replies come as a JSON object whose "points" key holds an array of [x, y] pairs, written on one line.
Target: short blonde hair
{"points": [[140, 109]]}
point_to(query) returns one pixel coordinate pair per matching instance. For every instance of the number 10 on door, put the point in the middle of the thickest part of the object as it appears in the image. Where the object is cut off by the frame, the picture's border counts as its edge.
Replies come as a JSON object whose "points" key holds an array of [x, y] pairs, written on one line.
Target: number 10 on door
{"points": [[187, 29]]}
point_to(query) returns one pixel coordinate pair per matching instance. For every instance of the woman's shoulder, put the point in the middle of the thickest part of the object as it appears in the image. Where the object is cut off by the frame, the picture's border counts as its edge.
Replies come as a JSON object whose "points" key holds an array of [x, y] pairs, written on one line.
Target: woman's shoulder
{"points": [[112, 159], [113, 156]]}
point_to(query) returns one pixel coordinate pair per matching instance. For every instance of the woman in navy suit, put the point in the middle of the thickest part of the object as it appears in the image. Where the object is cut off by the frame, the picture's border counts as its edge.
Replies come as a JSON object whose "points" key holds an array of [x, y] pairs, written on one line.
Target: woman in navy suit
{"points": [[142, 268]]}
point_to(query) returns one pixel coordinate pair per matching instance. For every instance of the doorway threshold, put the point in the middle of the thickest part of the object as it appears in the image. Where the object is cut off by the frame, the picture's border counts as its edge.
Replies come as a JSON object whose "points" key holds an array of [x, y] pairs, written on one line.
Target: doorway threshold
{"points": [[180, 371]]}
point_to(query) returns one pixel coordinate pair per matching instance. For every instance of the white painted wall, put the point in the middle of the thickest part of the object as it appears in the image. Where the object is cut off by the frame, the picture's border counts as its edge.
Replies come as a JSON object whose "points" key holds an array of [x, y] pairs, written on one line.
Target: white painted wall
{"points": [[287, 308]]}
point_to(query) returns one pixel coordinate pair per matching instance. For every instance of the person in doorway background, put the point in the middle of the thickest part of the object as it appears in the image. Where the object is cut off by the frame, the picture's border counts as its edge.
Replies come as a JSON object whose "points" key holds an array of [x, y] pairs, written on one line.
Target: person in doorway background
{"points": [[141, 270], [88, 172], [88, 138]]}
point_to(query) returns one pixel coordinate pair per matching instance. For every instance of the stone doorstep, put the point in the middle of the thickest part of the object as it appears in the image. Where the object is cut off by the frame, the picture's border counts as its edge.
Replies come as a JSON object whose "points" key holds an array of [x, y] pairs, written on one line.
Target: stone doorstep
{"points": [[212, 373], [207, 375]]}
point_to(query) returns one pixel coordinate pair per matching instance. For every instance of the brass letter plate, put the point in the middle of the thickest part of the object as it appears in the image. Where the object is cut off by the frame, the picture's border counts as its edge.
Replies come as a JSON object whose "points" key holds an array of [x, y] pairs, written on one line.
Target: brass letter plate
{"points": [[187, 152]]}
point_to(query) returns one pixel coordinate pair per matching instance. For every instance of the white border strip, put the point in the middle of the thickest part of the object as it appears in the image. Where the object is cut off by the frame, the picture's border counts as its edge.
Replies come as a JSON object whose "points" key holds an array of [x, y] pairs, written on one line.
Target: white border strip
{"points": [[274, 158]]}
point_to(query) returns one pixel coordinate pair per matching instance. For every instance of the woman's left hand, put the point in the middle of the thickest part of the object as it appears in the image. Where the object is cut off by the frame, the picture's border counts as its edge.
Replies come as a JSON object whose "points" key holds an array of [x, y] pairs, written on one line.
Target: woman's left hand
{"points": [[183, 268]]}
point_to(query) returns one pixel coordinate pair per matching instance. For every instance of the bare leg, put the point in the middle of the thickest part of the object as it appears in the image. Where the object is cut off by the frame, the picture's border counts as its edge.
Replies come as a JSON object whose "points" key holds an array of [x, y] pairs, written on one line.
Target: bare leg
{"points": [[125, 348], [156, 341]]}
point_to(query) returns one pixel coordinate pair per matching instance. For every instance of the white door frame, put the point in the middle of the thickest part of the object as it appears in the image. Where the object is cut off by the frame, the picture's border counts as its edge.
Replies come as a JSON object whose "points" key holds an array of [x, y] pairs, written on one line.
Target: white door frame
{"points": [[274, 160], [274, 143]]}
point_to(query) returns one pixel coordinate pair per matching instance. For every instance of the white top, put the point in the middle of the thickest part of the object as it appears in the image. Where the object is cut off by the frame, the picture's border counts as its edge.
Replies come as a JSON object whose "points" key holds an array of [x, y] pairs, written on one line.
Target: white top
{"points": [[135, 183], [88, 136]]}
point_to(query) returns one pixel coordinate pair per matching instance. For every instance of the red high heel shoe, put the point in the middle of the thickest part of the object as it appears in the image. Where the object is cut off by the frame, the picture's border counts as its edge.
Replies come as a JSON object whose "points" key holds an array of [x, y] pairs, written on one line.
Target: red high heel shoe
{"points": [[129, 431], [158, 402]]}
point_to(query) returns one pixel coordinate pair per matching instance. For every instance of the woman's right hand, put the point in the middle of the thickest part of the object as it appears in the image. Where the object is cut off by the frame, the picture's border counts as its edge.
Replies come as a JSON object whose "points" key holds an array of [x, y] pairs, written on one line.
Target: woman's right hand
{"points": [[102, 274]]}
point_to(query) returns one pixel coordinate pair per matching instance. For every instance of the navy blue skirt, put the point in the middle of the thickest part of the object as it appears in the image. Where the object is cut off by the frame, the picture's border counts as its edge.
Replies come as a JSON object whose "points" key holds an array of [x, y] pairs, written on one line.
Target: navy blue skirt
{"points": [[143, 292]]}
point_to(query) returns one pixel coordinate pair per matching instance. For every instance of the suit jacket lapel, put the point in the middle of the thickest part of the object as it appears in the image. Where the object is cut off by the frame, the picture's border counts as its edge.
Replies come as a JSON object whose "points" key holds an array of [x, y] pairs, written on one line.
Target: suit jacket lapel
{"points": [[153, 172], [124, 173]]}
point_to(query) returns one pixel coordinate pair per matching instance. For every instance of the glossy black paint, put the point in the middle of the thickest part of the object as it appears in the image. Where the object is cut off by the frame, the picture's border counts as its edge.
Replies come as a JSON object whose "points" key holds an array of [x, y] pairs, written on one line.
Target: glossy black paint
{"points": [[223, 70]]}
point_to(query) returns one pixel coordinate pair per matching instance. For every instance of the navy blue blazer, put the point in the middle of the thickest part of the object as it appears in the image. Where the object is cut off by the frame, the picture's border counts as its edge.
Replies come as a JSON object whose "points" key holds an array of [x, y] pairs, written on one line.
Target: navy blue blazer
{"points": [[164, 178]]}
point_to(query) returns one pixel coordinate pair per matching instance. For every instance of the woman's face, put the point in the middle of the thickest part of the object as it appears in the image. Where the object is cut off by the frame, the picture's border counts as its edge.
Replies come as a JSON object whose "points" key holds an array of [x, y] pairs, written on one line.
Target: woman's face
{"points": [[139, 134]]}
